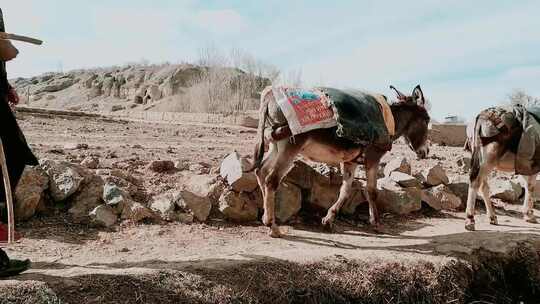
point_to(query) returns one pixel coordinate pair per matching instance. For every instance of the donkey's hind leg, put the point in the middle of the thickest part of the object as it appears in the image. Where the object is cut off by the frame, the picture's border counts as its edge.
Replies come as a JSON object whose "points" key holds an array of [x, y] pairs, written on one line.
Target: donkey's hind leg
{"points": [[347, 170], [274, 171], [481, 167], [528, 213], [484, 188], [471, 202], [266, 165]]}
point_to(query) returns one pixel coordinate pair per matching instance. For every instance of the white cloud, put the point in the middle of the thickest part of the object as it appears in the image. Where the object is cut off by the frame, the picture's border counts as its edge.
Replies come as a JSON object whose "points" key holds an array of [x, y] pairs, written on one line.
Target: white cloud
{"points": [[465, 55]]}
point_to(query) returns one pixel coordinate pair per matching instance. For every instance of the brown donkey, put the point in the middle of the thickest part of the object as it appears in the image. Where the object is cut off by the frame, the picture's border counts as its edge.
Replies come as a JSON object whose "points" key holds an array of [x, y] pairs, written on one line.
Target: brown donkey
{"points": [[322, 145], [492, 149]]}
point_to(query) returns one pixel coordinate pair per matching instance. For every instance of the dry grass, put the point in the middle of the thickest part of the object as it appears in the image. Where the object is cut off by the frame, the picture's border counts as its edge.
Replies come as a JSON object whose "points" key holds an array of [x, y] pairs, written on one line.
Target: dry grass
{"points": [[487, 278]]}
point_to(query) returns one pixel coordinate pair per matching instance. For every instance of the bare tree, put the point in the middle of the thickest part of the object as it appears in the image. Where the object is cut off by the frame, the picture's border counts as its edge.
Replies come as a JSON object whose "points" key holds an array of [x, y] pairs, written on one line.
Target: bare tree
{"points": [[229, 83], [292, 78], [519, 96]]}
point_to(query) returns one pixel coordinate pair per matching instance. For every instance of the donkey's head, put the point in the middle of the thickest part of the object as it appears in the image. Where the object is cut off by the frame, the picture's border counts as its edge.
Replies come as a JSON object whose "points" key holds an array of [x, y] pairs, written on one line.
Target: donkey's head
{"points": [[412, 120]]}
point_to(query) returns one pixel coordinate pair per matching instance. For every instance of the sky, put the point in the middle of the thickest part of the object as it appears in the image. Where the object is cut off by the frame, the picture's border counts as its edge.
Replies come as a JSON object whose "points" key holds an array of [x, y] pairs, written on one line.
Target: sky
{"points": [[466, 55]]}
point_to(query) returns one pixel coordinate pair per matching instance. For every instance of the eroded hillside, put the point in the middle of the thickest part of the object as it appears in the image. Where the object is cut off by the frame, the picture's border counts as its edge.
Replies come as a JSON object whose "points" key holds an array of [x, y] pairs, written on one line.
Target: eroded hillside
{"points": [[166, 87]]}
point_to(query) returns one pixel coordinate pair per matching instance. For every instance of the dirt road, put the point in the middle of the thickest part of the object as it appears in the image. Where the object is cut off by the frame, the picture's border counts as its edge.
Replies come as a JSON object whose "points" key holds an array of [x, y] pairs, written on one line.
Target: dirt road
{"points": [[189, 263]]}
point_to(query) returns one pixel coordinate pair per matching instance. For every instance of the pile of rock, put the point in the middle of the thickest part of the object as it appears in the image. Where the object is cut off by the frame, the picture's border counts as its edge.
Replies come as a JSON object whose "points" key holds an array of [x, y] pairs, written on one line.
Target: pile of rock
{"points": [[402, 193], [107, 196], [193, 202], [90, 196], [242, 200]]}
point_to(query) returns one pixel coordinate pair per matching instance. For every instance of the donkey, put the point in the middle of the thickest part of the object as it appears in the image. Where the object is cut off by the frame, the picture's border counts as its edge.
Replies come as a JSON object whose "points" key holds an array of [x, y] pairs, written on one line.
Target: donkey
{"points": [[497, 152], [322, 145]]}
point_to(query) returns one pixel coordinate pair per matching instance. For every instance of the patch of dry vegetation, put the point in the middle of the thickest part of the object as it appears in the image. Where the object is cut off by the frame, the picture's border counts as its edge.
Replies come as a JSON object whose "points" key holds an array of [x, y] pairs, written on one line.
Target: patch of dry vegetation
{"points": [[488, 278]]}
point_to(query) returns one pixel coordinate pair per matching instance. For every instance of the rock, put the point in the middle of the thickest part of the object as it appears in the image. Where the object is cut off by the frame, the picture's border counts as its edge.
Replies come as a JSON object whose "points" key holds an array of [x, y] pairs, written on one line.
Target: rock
{"points": [[86, 199], [198, 169], [393, 198], [75, 146], [114, 195], [405, 180], [288, 201], [357, 197], [90, 162], [399, 164], [126, 176], [322, 185], [205, 186], [181, 165], [505, 190], [232, 169], [464, 163], [103, 215], [199, 206], [161, 166], [55, 85], [301, 174], [135, 211], [153, 93], [238, 207], [435, 176], [331, 174], [323, 193], [138, 99], [442, 198], [87, 81], [30, 192], [184, 218], [115, 108], [461, 189], [108, 83], [64, 179], [164, 205], [96, 90]]}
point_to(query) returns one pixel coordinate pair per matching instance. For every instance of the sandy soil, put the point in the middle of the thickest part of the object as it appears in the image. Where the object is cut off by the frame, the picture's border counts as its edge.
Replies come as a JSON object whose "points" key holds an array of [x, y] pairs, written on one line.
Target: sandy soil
{"points": [[62, 251]]}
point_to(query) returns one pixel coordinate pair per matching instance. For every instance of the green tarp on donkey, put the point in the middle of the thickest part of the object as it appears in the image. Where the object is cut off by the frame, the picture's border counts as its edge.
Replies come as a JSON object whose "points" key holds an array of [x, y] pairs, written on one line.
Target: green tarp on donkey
{"points": [[359, 117]]}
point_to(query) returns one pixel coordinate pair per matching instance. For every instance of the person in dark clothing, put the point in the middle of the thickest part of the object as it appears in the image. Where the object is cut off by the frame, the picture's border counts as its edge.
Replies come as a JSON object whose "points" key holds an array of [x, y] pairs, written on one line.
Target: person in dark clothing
{"points": [[18, 153]]}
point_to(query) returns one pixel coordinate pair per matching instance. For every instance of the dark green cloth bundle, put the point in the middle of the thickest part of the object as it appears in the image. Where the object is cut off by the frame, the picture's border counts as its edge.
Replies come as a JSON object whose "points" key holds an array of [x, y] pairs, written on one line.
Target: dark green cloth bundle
{"points": [[359, 117]]}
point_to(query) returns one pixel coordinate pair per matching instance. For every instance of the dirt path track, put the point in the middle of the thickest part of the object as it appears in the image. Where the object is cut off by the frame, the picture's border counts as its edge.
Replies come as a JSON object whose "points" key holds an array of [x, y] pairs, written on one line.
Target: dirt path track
{"points": [[79, 264]]}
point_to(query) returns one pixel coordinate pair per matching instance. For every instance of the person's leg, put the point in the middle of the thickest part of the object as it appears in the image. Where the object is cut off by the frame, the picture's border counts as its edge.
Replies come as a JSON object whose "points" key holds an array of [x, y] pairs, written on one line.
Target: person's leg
{"points": [[17, 152], [12, 267]]}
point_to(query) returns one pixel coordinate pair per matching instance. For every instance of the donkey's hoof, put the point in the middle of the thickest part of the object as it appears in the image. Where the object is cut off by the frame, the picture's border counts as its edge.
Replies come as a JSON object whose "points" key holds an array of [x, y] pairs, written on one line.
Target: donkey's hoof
{"points": [[469, 225], [275, 232], [328, 223], [529, 218], [493, 221], [378, 227], [266, 220]]}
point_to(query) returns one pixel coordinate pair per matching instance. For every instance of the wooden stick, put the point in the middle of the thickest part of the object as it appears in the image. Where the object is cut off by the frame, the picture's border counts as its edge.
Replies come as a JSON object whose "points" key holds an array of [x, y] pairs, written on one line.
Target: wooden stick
{"points": [[9, 195], [20, 38]]}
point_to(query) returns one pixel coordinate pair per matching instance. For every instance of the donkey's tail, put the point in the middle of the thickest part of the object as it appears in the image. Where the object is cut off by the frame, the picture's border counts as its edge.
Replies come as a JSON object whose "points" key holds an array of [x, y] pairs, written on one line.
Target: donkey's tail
{"points": [[475, 146], [258, 153]]}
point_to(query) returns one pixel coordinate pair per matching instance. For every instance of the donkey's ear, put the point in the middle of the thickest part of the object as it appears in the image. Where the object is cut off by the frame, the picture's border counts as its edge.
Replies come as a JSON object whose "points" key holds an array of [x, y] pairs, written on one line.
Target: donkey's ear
{"points": [[399, 95], [418, 96]]}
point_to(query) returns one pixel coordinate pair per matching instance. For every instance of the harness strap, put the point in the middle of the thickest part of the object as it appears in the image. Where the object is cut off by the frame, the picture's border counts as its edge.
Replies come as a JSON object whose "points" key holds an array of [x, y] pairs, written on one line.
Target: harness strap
{"points": [[387, 114]]}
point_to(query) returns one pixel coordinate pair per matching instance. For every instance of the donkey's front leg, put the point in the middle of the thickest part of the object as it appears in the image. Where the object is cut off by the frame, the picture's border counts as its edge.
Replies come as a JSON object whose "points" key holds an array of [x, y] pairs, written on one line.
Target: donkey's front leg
{"points": [[372, 160], [347, 170], [528, 213]]}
